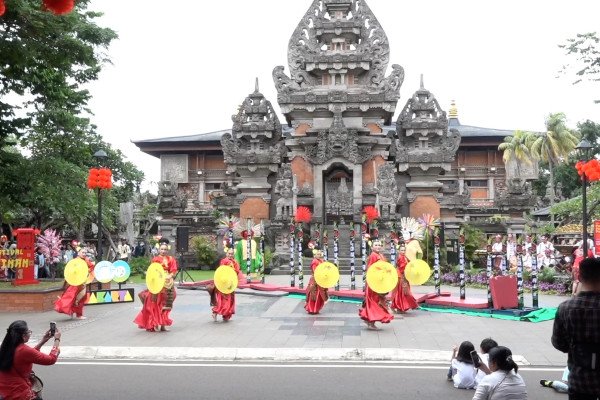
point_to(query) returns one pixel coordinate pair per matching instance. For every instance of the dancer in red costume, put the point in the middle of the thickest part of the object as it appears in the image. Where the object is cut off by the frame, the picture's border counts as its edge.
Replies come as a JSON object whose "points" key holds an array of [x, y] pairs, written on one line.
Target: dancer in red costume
{"points": [[157, 307], [374, 308], [72, 300], [316, 296], [402, 298], [224, 304]]}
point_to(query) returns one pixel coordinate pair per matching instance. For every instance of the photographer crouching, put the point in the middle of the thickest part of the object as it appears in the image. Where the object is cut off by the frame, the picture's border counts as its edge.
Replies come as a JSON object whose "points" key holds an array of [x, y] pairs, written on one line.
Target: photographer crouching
{"points": [[17, 380]]}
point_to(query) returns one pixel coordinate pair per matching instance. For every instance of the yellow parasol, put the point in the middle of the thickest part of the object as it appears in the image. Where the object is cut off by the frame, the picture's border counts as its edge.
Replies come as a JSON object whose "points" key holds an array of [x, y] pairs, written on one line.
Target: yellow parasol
{"points": [[155, 278], [417, 272], [76, 272], [226, 279], [327, 274], [412, 248], [382, 277]]}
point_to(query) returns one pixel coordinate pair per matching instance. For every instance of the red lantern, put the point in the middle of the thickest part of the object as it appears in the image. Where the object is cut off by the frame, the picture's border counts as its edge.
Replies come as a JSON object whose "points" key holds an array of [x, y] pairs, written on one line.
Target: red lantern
{"points": [[303, 214], [371, 213], [59, 7], [2, 7]]}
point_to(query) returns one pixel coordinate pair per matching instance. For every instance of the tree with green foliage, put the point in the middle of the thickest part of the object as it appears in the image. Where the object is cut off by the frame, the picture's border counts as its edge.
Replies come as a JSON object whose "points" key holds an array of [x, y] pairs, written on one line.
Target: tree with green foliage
{"points": [[585, 47], [517, 148], [45, 63]]}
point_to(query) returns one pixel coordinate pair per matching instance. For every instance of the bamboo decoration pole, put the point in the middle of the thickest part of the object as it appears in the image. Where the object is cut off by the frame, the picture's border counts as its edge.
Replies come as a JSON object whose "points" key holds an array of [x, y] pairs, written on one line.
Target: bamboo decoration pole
{"points": [[325, 245], [461, 263], [262, 251], [248, 250], [534, 274], [300, 235], [292, 258], [519, 251], [436, 263], [363, 251], [393, 244], [336, 236], [352, 258]]}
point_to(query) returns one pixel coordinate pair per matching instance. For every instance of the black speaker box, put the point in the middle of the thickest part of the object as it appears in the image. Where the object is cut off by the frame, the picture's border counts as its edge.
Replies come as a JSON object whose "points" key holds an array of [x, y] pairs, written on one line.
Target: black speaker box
{"points": [[183, 238]]}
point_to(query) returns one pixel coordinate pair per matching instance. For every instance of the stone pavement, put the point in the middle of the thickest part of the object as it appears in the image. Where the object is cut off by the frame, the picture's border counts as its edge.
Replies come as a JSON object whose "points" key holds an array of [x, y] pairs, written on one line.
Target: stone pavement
{"points": [[271, 326]]}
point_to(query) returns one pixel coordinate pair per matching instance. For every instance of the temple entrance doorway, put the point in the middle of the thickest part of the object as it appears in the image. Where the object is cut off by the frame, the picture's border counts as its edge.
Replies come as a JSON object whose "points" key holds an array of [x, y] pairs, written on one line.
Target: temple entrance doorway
{"points": [[338, 190]]}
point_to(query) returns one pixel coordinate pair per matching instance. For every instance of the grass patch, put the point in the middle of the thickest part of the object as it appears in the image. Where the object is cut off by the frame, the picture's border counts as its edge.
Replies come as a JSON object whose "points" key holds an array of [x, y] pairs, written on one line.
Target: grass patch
{"points": [[196, 274], [40, 286]]}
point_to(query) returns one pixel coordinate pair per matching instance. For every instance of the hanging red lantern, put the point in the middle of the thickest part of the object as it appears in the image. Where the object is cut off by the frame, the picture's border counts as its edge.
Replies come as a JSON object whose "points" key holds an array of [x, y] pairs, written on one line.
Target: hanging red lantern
{"points": [[303, 214], [59, 7], [2, 8]]}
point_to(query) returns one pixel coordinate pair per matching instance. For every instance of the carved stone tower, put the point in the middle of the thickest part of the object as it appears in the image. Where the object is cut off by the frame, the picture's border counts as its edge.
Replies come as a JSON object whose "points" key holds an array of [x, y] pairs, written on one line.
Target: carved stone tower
{"points": [[253, 151], [424, 150], [337, 101]]}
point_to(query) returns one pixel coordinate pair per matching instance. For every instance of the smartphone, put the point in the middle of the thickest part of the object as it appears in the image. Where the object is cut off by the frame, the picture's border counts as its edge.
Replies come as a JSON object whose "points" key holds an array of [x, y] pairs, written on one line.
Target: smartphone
{"points": [[52, 328], [475, 358]]}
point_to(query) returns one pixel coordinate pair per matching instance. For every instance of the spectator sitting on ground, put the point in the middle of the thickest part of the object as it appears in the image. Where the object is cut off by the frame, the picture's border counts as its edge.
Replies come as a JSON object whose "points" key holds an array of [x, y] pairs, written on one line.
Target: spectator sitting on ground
{"points": [[503, 382], [462, 371], [485, 346]]}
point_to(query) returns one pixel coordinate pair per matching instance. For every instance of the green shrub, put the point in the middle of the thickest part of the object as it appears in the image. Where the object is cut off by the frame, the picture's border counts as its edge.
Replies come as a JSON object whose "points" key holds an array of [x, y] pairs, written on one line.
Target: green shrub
{"points": [[547, 275], [205, 248], [139, 265], [268, 257]]}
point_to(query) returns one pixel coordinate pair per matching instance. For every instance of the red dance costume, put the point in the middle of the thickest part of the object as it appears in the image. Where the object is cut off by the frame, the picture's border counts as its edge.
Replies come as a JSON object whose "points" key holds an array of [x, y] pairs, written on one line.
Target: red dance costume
{"points": [[154, 313], [15, 383], [66, 303], [316, 296], [402, 298], [225, 303], [374, 308]]}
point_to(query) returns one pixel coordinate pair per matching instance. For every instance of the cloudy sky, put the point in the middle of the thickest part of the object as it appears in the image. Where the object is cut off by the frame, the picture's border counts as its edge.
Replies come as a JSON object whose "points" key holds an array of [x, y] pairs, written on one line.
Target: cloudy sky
{"points": [[182, 67]]}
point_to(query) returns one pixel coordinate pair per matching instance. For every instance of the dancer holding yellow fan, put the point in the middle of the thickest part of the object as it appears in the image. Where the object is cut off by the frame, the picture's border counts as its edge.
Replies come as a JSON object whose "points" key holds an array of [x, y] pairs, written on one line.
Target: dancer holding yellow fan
{"points": [[324, 276], [381, 279], [225, 282], [77, 272]]}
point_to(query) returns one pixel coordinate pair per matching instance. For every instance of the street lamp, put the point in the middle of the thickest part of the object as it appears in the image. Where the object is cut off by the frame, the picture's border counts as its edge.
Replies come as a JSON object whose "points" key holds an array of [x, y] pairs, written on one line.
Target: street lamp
{"points": [[584, 148], [100, 156]]}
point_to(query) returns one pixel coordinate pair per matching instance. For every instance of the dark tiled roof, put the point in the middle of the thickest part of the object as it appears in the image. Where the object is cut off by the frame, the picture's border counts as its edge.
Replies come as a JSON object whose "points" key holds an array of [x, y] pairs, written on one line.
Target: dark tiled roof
{"points": [[200, 137]]}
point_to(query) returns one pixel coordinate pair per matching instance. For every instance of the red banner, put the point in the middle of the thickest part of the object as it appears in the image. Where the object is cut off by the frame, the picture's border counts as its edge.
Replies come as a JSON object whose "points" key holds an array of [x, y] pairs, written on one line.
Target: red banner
{"points": [[597, 236]]}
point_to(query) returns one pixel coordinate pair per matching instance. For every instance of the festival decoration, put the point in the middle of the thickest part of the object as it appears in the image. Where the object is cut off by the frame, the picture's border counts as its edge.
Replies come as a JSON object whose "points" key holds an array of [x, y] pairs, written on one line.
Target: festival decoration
{"points": [[352, 257], [327, 275], [49, 243], [225, 279], [336, 248], [591, 169], [382, 277], [2, 8], [76, 272], [417, 272], [292, 258], [371, 213], [104, 271], [121, 271], [59, 7], [99, 178], [155, 278], [303, 214]]}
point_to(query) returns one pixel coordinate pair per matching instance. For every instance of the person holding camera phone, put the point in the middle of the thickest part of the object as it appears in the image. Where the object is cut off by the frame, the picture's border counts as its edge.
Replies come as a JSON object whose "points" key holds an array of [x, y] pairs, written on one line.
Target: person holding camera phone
{"points": [[17, 381], [462, 371], [503, 381], [482, 362]]}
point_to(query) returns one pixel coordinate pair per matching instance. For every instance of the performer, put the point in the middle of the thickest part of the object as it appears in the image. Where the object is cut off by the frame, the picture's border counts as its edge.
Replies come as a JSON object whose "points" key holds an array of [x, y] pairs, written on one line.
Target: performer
{"points": [[316, 296], [154, 315], [224, 304], [545, 253], [72, 300], [374, 307], [402, 298], [241, 253], [511, 252], [527, 258], [497, 251]]}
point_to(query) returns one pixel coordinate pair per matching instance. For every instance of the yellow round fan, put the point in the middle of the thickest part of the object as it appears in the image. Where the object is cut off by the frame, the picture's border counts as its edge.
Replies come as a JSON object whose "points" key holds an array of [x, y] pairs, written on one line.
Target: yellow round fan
{"points": [[382, 277], [155, 278], [412, 248], [226, 279], [76, 272], [327, 274], [417, 272]]}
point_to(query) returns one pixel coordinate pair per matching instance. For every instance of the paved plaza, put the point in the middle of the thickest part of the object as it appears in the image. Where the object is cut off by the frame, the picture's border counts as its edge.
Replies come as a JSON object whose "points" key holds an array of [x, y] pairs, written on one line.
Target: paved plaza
{"points": [[272, 326]]}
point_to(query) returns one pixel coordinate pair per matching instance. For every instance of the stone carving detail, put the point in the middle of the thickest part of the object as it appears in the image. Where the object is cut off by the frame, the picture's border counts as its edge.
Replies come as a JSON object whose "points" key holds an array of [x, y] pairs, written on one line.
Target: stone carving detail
{"points": [[391, 85], [256, 134], [422, 129], [285, 188], [339, 141], [174, 168], [339, 199], [170, 198], [514, 193], [388, 195], [456, 200]]}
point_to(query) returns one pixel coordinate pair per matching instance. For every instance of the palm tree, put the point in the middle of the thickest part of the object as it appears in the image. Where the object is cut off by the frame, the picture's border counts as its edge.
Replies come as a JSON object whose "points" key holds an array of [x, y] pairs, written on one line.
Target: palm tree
{"points": [[555, 144], [516, 147]]}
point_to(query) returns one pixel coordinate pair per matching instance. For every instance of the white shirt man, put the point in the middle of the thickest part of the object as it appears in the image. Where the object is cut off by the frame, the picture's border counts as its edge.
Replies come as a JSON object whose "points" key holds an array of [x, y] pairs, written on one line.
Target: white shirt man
{"points": [[545, 253], [124, 251]]}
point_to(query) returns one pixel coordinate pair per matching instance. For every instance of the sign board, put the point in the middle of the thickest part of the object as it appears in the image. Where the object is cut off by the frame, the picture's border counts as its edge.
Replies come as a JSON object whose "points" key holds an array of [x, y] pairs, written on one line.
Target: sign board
{"points": [[597, 236]]}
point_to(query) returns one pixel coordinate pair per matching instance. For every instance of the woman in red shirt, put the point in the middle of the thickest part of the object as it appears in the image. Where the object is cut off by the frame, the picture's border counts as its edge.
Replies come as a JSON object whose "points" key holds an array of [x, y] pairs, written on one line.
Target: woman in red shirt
{"points": [[402, 298], [73, 298], [157, 307], [17, 359], [316, 296]]}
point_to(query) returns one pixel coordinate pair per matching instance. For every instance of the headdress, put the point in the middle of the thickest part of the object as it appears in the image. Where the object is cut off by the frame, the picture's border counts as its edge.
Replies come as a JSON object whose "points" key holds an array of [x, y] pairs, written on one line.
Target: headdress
{"points": [[413, 227]]}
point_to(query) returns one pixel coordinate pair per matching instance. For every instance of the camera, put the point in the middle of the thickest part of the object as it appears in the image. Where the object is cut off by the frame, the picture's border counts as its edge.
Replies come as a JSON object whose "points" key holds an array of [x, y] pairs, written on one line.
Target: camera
{"points": [[52, 328], [475, 358]]}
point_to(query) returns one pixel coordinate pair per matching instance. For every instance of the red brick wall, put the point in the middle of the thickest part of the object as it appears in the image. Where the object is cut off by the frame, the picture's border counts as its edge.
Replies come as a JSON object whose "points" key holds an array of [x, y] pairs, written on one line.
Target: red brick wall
{"points": [[424, 205], [17, 301], [255, 208], [303, 171], [301, 129], [369, 171]]}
